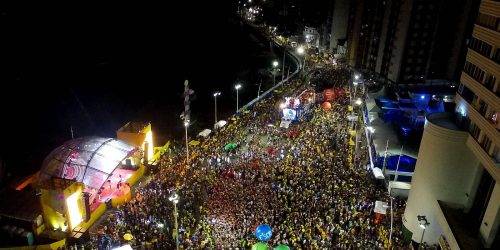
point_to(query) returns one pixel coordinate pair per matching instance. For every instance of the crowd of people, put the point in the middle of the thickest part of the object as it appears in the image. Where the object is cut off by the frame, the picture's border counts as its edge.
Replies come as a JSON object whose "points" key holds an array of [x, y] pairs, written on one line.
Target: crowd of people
{"points": [[310, 188]]}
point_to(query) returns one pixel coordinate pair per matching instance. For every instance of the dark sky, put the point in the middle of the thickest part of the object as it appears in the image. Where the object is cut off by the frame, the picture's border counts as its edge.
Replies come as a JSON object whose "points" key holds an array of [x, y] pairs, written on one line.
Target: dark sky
{"points": [[61, 63]]}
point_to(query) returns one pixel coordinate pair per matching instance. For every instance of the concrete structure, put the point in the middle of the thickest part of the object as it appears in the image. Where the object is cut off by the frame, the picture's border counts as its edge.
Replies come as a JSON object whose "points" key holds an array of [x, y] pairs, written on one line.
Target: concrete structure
{"points": [[462, 202], [138, 134], [339, 23], [440, 175]]}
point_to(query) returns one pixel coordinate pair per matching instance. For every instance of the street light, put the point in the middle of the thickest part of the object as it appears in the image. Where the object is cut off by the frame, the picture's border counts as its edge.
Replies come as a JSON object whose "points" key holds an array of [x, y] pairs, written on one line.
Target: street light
{"points": [[275, 64], [174, 198], [186, 125], [423, 224], [237, 87], [358, 101], [301, 51], [215, 113]]}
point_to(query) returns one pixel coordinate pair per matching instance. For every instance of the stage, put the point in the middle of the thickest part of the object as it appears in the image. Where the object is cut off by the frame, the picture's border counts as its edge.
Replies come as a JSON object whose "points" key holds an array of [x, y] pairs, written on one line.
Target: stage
{"points": [[111, 188]]}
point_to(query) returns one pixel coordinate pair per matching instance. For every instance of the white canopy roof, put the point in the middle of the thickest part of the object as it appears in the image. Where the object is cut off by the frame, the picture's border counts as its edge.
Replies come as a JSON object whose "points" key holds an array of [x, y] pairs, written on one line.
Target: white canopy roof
{"points": [[380, 207], [220, 124], [285, 123], [205, 133], [377, 172]]}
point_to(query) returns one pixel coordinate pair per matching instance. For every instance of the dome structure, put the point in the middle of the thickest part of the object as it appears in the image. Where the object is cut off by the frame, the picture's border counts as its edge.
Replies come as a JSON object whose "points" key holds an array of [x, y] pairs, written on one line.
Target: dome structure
{"points": [[90, 160]]}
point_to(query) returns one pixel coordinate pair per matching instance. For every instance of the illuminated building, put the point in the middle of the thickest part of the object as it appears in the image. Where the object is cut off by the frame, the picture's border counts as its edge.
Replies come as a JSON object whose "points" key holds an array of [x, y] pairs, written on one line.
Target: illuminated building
{"points": [[456, 182]]}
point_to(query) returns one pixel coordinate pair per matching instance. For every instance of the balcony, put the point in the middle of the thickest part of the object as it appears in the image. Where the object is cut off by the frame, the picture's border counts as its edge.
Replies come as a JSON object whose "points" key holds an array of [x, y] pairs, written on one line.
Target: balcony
{"points": [[484, 124], [488, 162], [490, 7], [457, 228], [480, 90]]}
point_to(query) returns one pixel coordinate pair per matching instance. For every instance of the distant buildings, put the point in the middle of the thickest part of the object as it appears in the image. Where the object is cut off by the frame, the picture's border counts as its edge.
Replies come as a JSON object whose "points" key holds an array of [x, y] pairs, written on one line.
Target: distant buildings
{"points": [[409, 41]]}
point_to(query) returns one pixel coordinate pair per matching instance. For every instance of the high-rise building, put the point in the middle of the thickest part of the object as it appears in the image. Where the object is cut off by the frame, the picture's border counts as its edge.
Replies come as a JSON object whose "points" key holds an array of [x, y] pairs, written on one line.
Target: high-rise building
{"points": [[339, 20], [410, 41], [455, 194]]}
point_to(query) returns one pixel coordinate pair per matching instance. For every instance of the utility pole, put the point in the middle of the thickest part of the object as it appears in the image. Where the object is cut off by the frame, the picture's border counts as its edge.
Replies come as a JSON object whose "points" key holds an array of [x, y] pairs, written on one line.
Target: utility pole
{"points": [[397, 166], [385, 157]]}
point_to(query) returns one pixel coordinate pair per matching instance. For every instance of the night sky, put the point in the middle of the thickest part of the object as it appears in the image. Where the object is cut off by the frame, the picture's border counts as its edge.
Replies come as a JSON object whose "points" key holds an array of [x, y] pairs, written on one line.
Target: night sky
{"points": [[96, 67]]}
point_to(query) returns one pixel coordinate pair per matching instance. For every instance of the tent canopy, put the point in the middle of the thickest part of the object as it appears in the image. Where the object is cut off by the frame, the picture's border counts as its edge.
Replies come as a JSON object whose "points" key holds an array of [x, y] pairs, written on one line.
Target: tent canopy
{"points": [[380, 207], [90, 160], [205, 133], [220, 124], [285, 123], [377, 172], [230, 146]]}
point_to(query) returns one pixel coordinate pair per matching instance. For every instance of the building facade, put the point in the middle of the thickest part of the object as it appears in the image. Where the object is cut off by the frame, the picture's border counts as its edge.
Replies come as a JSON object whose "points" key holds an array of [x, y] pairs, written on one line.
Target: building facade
{"points": [[457, 185], [410, 41]]}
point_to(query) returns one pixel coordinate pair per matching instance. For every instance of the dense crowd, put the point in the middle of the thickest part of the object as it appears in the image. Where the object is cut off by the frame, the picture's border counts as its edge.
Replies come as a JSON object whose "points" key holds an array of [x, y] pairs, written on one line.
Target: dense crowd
{"points": [[310, 188]]}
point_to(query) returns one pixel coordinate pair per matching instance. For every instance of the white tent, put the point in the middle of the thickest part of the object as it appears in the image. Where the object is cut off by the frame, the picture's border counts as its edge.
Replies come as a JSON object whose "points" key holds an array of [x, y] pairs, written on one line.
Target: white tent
{"points": [[205, 133], [285, 123], [377, 172], [220, 124], [380, 207]]}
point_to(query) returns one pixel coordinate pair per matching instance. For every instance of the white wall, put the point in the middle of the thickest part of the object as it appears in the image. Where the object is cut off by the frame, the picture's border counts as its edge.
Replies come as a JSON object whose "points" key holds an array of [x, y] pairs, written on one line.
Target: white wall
{"points": [[445, 170], [489, 225]]}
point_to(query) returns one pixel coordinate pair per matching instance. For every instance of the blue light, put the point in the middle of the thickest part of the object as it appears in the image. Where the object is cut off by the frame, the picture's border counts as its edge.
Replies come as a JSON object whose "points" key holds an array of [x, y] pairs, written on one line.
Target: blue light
{"points": [[422, 97]]}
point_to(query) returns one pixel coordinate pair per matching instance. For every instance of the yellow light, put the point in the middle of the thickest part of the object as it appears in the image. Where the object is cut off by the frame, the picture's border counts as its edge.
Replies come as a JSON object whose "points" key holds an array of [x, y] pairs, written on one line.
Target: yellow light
{"points": [[75, 216], [149, 140]]}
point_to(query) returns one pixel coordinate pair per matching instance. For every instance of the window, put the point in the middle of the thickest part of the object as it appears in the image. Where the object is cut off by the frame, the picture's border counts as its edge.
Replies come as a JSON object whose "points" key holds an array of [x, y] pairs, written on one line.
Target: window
{"points": [[474, 130], [496, 154], [489, 81], [486, 143], [481, 47], [474, 71], [496, 55], [487, 21]]}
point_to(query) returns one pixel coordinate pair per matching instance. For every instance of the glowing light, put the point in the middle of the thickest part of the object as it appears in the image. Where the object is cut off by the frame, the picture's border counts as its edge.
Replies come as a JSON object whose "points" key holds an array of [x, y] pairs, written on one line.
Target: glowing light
{"points": [[422, 97], [358, 101], [217, 94], [356, 77], [149, 141], [238, 86], [186, 123], [300, 50], [174, 198], [75, 216], [124, 247], [275, 63], [422, 226]]}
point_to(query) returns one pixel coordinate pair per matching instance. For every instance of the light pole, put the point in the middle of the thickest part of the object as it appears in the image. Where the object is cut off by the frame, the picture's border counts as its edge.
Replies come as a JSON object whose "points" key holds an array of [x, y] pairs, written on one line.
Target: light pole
{"points": [[215, 113], [237, 87], [283, 71], [423, 224], [174, 198], [301, 51], [392, 218], [258, 91], [275, 64], [186, 125]]}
